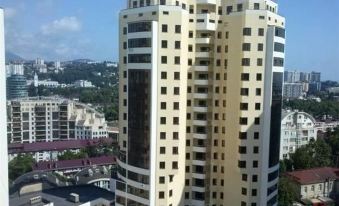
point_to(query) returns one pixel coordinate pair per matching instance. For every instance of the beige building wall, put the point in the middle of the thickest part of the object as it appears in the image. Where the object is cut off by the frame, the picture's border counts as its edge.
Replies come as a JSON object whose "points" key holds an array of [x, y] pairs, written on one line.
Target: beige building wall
{"points": [[226, 76]]}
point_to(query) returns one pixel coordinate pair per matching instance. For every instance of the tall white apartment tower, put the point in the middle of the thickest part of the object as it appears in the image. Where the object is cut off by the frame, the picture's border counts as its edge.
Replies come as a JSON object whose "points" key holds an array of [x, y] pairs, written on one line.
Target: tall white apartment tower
{"points": [[3, 125], [200, 102]]}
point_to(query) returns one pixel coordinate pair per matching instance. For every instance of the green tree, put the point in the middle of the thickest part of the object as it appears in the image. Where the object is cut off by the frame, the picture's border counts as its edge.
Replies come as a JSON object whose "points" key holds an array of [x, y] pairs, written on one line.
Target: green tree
{"points": [[288, 192], [69, 155], [315, 154], [20, 165]]}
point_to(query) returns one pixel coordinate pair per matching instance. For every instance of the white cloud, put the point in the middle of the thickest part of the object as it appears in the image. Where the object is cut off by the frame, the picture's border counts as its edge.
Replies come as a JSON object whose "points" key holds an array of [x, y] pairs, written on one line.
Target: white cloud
{"points": [[66, 24]]}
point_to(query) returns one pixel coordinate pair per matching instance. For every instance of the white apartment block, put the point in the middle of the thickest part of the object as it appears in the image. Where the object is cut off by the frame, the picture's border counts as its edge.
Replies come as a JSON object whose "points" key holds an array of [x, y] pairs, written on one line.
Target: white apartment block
{"points": [[297, 129], [14, 69], [39, 119], [200, 102], [3, 128]]}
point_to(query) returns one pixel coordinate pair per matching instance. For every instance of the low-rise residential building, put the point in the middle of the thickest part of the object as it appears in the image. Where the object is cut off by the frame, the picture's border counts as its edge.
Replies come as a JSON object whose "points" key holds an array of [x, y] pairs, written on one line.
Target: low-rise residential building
{"points": [[49, 151], [69, 167], [318, 185], [45, 119], [326, 125], [297, 129], [83, 83]]}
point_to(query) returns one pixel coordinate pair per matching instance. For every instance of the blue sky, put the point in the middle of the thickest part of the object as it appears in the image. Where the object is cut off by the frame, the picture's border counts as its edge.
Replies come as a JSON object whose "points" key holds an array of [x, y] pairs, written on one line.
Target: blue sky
{"points": [[67, 29]]}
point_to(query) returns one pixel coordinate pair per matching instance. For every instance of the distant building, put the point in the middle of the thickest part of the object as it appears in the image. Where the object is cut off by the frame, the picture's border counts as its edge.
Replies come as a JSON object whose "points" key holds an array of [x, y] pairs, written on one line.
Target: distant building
{"points": [[46, 83], [16, 87], [49, 151], [293, 90], [291, 76], [83, 83], [40, 61], [14, 69], [333, 90], [297, 129], [318, 186], [111, 64], [315, 77], [326, 125], [57, 65], [53, 118], [311, 81], [314, 87]]}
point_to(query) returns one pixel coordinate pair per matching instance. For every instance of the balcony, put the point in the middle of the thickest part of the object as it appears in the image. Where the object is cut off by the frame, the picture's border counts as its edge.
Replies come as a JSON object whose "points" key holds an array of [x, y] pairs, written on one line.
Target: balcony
{"points": [[205, 22], [201, 82], [199, 136], [206, 1], [200, 109], [199, 149], [201, 68], [200, 95], [206, 40], [204, 54], [200, 122]]}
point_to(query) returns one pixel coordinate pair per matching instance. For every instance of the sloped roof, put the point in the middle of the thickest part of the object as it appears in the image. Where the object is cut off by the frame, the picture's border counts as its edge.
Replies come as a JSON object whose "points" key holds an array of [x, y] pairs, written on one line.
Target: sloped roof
{"points": [[313, 176]]}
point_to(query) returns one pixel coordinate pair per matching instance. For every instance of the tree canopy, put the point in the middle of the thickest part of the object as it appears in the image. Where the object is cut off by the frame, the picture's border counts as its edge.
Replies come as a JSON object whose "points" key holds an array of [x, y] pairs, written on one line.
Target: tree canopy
{"points": [[20, 165], [316, 109]]}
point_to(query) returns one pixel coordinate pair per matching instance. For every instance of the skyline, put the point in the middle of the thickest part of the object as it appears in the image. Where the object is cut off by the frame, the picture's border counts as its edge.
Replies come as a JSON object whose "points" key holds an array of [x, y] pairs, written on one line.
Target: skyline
{"points": [[64, 30]]}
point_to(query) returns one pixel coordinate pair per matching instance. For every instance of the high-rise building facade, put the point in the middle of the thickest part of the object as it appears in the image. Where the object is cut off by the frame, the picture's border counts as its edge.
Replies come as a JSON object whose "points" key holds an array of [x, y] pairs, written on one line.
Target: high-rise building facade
{"points": [[47, 119], [17, 87], [3, 126], [200, 102], [297, 129]]}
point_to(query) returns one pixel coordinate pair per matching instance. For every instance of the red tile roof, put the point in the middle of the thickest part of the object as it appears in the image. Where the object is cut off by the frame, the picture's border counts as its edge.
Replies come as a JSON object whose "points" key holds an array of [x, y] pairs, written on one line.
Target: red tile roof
{"points": [[15, 148], [73, 164], [312, 176]]}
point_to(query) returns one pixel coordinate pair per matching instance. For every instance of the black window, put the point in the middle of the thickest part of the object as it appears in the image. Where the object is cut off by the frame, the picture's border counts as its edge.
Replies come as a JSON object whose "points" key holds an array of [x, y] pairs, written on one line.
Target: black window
{"points": [[163, 75], [246, 47], [280, 32], [245, 76], [244, 106], [229, 9], [259, 77], [139, 58], [259, 62], [178, 29], [176, 60], [139, 27], [239, 7], [139, 42], [245, 62], [256, 6], [278, 62], [242, 135], [244, 92], [279, 47], [162, 2], [243, 121], [260, 32], [164, 28], [257, 106], [164, 59], [242, 164], [177, 45], [242, 150], [260, 47], [247, 31], [164, 44]]}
